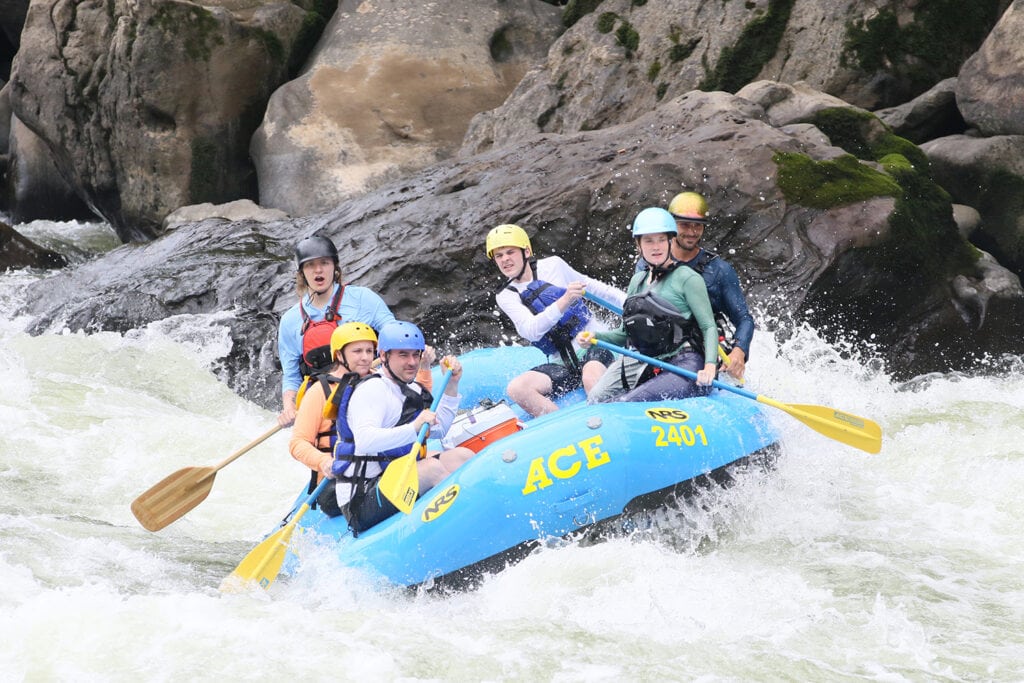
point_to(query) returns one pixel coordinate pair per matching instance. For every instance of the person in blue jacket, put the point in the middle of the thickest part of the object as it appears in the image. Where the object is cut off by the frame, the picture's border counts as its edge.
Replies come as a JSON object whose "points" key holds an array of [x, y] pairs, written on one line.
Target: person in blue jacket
{"points": [[690, 211], [304, 334]]}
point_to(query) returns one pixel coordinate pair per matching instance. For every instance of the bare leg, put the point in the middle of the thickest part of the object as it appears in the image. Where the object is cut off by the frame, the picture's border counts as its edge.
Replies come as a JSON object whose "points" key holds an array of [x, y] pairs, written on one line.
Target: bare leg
{"points": [[592, 371], [531, 390], [433, 470]]}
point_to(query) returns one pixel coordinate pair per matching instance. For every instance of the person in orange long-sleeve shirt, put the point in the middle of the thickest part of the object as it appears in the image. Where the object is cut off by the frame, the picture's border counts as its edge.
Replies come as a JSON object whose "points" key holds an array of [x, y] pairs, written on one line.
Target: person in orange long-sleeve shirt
{"points": [[353, 348]]}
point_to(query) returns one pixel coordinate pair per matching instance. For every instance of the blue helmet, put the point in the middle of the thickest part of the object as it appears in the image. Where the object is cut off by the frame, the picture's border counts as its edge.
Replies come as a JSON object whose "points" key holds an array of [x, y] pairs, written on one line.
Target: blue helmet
{"points": [[400, 335], [653, 221]]}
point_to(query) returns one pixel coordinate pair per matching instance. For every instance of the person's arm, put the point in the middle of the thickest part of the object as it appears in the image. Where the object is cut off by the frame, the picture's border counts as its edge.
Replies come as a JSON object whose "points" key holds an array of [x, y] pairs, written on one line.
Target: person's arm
{"points": [[289, 351], [371, 406], [308, 423], [734, 305], [567, 273], [529, 326], [696, 294]]}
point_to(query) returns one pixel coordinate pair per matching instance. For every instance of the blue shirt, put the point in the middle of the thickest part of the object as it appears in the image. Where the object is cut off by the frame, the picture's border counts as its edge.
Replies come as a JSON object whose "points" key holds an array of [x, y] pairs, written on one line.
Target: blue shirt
{"points": [[358, 304], [725, 293]]}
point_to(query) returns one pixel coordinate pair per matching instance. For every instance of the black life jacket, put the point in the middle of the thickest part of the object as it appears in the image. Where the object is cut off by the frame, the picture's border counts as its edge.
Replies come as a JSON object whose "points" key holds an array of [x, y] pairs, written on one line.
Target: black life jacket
{"points": [[655, 327], [316, 337]]}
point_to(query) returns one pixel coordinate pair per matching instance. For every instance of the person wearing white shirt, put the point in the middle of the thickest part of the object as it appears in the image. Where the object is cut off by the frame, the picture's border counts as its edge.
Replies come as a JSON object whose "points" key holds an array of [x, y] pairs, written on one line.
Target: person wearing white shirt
{"points": [[544, 300]]}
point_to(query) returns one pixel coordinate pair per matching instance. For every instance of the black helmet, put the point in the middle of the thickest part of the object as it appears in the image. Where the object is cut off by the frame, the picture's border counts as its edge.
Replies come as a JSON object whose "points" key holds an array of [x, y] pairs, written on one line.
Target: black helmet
{"points": [[315, 247]]}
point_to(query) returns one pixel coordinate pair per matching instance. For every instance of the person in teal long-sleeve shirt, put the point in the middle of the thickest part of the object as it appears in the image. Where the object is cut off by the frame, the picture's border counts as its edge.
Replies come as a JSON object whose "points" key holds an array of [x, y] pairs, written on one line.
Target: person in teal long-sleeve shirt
{"points": [[667, 315]]}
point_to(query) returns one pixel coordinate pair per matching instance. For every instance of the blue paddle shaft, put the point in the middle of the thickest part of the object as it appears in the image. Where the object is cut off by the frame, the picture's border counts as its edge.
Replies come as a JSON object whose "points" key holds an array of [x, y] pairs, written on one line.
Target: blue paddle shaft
{"points": [[672, 368]]}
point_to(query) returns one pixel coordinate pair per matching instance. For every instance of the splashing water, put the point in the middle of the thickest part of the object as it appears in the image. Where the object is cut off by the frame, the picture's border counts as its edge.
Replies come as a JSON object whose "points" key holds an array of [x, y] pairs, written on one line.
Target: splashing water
{"points": [[836, 565]]}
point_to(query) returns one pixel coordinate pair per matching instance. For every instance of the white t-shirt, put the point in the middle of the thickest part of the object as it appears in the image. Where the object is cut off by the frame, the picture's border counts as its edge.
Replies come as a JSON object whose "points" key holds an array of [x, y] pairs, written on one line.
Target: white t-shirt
{"points": [[532, 326], [373, 411]]}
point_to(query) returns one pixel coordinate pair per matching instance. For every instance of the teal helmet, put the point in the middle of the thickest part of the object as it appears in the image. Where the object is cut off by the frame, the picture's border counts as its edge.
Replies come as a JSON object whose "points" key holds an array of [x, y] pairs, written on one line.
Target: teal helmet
{"points": [[652, 221]]}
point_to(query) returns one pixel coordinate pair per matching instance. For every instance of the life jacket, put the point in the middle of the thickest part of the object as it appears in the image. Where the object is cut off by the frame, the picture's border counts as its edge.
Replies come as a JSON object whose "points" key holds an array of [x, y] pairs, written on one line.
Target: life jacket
{"points": [[655, 327], [537, 296], [344, 443], [316, 337], [333, 387]]}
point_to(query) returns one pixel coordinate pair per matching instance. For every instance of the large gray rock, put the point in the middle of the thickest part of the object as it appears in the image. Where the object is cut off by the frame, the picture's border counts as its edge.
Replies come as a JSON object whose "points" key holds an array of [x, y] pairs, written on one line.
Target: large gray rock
{"points": [[389, 90], [990, 88], [419, 242], [17, 251], [623, 59], [931, 115], [150, 106], [988, 174], [36, 189]]}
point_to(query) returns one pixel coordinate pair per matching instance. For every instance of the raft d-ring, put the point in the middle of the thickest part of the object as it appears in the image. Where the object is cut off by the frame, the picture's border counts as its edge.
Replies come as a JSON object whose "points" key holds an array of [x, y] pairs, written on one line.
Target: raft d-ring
{"points": [[509, 456], [594, 423]]}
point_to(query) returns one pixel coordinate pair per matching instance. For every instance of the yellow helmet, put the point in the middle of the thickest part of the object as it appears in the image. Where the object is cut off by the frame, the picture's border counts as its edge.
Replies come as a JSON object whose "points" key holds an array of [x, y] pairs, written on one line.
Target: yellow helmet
{"points": [[507, 235], [689, 206], [350, 332]]}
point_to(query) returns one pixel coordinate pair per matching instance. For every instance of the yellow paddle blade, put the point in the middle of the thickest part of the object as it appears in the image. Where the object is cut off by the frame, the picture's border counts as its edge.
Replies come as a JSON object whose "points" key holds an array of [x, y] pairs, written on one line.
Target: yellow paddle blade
{"points": [[173, 496], [851, 429], [400, 482], [263, 563]]}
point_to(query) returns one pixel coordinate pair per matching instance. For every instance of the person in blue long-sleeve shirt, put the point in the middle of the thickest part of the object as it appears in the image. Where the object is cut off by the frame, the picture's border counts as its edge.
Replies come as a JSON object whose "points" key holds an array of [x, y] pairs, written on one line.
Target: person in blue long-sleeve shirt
{"points": [[690, 210]]}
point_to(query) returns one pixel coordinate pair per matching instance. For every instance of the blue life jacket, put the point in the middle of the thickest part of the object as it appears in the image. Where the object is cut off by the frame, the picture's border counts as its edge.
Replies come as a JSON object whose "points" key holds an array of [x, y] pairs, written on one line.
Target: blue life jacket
{"points": [[344, 442], [537, 296]]}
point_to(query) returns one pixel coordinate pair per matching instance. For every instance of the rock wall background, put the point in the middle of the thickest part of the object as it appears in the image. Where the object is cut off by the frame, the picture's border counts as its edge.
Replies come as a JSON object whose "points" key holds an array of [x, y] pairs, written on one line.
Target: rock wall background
{"points": [[863, 161]]}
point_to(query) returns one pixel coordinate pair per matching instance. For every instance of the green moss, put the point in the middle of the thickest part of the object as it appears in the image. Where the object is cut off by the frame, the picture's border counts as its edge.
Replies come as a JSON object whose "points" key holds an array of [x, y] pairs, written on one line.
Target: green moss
{"points": [[861, 134], [681, 51], [924, 239], [627, 36], [606, 22], [739, 64], [201, 33], [577, 9], [660, 92], [272, 44], [827, 184], [931, 46], [653, 70]]}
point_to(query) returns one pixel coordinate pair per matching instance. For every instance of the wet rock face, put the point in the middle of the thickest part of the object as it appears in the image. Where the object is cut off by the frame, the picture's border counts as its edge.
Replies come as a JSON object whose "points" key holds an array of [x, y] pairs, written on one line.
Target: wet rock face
{"points": [[16, 251], [150, 106], [420, 242]]}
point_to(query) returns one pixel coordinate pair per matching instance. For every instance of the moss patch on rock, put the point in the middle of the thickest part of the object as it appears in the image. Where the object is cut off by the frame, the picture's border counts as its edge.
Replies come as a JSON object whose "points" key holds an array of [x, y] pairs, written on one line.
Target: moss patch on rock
{"points": [[933, 46], [924, 238], [577, 9], [861, 134], [739, 64], [827, 184]]}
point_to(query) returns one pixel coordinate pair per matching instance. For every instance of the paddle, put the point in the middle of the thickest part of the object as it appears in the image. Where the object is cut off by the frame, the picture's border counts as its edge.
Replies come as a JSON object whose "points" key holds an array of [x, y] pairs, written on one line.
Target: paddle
{"points": [[177, 493], [850, 429], [263, 563], [400, 482]]}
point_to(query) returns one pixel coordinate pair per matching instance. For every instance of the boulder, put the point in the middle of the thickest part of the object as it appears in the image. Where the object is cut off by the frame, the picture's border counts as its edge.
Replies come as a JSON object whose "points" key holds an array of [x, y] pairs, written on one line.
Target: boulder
{"points": [[150, 106], [793, 217], [931, 115], [988, 174], [990, 87], [238, 210], [390, 89], [17, 251]]}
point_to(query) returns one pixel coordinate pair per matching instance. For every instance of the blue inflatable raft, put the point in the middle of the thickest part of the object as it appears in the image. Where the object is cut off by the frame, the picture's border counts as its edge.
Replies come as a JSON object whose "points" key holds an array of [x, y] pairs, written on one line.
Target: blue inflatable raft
{"points": [[582, 468]]}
